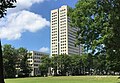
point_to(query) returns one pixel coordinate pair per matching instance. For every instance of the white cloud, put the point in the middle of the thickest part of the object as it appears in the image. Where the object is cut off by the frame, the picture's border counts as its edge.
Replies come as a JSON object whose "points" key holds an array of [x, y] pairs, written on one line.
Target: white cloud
{"points": [[15, 24], [23, 5], [44, 49]]}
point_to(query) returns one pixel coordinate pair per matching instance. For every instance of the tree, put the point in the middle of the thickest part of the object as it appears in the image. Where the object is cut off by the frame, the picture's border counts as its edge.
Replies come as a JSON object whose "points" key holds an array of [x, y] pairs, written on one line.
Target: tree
{"points": [[4, 4], [64, 65], [1, 65], [85, 64], [99, 31], [76, 65], [9, 59], [15, 61], [54, 64], [87, 18], [44, 65], [23, 54]]}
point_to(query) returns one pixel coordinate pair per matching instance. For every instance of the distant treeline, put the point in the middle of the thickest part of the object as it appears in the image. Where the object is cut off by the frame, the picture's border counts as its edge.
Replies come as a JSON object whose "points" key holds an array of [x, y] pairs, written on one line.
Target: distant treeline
{"points": [[85, 64], [15, 63]]}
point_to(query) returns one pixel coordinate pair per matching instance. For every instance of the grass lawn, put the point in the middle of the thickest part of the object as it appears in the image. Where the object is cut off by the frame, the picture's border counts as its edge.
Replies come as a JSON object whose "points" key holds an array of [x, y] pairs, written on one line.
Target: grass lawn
{"points": [[67, 79]]}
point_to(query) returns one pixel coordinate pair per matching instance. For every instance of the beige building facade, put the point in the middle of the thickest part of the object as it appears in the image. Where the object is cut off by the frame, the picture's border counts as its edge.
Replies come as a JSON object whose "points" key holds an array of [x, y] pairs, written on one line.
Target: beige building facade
{"points": [[34, 60]]}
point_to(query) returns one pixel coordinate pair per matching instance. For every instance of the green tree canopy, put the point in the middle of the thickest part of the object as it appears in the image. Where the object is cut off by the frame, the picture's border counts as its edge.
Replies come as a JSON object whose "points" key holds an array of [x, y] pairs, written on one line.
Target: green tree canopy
{"points": [[23, 55], [9, 59], [99, 23]]}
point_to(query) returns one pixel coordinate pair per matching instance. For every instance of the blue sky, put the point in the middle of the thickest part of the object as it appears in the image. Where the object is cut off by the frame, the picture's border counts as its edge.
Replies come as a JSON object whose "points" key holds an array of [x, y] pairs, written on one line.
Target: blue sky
{"points": [[28, 25]]}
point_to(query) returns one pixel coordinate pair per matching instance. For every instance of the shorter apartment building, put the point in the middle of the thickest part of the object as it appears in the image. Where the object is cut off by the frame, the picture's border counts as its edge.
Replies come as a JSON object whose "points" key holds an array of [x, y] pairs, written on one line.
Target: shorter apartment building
{"points": [[34, 61]]}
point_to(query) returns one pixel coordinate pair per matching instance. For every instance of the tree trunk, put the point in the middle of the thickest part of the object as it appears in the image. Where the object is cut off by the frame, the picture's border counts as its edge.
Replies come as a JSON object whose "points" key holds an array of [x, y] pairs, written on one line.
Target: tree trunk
{"points": [[1, 65]]}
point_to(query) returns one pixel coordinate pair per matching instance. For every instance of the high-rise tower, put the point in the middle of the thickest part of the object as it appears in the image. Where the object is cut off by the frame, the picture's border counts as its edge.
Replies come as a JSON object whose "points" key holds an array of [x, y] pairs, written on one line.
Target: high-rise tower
{"points": [[62, 35]]}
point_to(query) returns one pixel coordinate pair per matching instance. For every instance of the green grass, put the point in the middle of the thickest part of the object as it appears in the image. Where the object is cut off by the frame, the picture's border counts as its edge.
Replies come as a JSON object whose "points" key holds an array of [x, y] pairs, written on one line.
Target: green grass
{"points": [[67, 79]]}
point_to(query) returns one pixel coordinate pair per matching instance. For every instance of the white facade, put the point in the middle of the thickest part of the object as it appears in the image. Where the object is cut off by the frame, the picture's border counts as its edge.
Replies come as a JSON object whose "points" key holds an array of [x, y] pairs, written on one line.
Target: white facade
{"points": [[34, 61], [54, 32], [65, 35], [63, 30]]}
